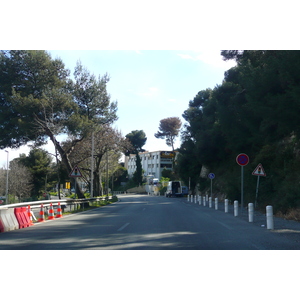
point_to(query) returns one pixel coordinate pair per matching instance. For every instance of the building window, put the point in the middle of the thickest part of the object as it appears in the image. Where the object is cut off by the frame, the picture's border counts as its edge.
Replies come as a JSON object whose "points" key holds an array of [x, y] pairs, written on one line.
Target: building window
{"points": [[169, 166]]}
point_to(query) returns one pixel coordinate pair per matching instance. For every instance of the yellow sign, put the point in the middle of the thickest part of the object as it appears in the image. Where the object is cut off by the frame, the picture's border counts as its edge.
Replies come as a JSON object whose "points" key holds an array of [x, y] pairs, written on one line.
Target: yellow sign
{"points": [[167, 154], [68, 185]]}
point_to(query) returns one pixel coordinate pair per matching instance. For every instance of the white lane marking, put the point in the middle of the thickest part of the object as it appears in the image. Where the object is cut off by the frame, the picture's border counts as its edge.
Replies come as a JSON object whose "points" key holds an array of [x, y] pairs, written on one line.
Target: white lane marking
{"points": [[121, 228], [226, 226]]}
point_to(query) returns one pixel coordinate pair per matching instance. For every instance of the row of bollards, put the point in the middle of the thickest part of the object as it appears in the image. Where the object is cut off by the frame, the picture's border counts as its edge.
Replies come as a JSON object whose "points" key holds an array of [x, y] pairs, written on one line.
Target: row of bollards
{"points": [[206, 199]]}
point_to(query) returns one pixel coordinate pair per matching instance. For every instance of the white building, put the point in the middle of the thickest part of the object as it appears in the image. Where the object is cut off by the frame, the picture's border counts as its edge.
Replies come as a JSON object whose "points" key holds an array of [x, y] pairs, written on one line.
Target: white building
{"points": [[152, 163]]}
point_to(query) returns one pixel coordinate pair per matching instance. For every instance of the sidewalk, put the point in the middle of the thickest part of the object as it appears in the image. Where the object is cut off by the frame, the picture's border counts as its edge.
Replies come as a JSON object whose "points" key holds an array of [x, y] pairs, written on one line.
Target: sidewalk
{"points": [[259, 219]]}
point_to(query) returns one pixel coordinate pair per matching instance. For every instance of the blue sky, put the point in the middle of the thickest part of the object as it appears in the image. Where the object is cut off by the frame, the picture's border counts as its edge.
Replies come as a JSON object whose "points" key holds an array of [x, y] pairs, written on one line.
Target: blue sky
{"points": [[149, 85], [157, 83]]}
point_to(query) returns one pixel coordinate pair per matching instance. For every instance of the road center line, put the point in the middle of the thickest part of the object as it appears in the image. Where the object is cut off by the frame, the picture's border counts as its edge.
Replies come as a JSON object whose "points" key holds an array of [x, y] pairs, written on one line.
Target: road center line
{"points": [[226, 226], [121, 228]]}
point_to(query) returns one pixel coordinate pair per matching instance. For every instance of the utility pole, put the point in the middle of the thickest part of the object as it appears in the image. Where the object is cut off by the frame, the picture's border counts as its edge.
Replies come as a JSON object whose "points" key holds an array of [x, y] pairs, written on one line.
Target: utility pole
{"points": [[107, 179], [6, 190], [92, 167]]}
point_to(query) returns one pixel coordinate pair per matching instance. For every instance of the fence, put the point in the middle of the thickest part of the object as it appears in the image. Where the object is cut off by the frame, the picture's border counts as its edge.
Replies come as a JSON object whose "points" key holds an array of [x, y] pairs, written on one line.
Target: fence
{"points": [[18, 215]]}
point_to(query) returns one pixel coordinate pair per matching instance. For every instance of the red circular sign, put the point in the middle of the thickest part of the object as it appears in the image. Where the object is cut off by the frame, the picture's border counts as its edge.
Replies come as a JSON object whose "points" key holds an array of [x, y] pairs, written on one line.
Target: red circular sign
{"points": [[242, 159]]}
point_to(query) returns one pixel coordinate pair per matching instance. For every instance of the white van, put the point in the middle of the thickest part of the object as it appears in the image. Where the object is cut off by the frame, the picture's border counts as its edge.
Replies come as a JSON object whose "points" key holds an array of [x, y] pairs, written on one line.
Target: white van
{"points": [[174, 189]]}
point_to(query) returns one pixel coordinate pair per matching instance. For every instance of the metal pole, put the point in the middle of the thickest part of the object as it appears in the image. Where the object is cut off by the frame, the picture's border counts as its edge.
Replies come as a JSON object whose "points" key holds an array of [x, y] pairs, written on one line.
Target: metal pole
{"points": [[242, 188], [256, 194], [92, 167], [107, 173], [211, 188], [6, 190]]}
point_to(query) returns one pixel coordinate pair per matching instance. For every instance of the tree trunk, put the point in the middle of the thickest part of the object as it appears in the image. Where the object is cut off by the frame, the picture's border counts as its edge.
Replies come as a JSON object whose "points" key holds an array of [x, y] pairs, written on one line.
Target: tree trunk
{"points": [[65, 159]]}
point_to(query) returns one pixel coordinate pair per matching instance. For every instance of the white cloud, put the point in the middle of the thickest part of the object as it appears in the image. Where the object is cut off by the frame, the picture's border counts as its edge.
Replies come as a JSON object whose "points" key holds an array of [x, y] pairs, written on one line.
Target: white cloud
{"points": [[186, 56], [210, 57], [151, 91]]}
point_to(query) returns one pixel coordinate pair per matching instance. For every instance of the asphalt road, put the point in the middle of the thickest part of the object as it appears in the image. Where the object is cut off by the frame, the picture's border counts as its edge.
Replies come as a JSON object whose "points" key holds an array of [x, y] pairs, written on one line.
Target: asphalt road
{"points": [[145, 222]]}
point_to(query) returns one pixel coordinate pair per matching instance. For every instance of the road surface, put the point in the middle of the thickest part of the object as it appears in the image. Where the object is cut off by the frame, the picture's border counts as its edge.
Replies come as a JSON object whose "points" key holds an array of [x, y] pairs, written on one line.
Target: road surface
{"points": [[145, 222]]}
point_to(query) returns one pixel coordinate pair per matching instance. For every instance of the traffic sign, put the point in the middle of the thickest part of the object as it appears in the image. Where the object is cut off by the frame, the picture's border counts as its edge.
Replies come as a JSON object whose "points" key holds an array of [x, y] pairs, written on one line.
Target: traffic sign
{"points": [[75, 172], [211, 175], [259, 171], [242, 159]]}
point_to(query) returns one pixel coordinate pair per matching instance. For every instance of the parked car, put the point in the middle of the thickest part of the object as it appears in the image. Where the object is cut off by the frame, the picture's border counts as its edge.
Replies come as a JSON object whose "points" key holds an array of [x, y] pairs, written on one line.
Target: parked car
{"points": [[2, 199], [185, 190]]}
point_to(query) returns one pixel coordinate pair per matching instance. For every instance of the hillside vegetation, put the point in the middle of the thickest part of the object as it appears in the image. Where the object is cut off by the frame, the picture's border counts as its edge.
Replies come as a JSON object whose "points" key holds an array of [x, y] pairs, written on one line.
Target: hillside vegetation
{"points": [[254, 111]]}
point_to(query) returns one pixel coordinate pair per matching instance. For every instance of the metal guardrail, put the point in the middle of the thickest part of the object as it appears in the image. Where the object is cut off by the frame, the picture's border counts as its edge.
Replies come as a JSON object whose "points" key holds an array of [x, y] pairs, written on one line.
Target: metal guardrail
{"points": [[55, 202]]}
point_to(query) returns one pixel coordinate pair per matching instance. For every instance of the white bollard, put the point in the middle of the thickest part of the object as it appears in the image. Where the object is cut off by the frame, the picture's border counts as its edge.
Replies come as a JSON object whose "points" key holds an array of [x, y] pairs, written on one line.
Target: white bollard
{"points": [[216, 203], [270, 221], [204, 201], [226, 205], [199, 200], [250, 211], [188, 199], [236, 208], [210, 202], [195, 199]]}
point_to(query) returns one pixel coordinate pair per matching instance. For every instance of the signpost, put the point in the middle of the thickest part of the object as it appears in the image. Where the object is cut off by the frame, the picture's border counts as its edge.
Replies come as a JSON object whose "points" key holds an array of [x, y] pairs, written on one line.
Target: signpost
{"points": [[259, 171], [75, 173], [211, 176], [242, 160]]}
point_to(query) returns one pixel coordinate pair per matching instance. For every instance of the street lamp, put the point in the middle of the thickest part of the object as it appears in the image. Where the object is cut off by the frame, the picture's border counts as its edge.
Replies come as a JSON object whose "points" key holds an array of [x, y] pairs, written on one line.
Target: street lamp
{"points": [[6, 191]]}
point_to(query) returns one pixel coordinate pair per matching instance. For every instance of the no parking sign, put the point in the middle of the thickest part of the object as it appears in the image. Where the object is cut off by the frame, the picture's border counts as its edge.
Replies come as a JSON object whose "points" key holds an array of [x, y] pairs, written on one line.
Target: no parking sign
{"points": [[242, 159]]}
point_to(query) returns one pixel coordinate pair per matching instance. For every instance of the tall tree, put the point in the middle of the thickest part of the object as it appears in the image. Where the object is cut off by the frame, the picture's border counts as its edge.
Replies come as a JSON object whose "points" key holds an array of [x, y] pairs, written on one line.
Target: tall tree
{"points": [[108, 143], [20, 180], [38, 163], [254, 111], [39, 101], [169, 129], [137, 139]]}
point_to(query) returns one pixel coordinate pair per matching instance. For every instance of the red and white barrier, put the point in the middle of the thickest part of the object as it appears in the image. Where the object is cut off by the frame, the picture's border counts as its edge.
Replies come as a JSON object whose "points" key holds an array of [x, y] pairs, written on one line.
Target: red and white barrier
{"points": [[8, 219], [23, 219], [1, 226]]}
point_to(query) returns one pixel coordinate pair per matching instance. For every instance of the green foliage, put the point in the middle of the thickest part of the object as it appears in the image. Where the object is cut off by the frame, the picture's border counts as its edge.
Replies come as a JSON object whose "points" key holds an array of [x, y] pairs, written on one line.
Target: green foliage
{"points": [[138, 174], [170, 174], [164, 179], [137, 138], [120, 175], [38, 162], [38, 101], [169, 130], [255, 110]]}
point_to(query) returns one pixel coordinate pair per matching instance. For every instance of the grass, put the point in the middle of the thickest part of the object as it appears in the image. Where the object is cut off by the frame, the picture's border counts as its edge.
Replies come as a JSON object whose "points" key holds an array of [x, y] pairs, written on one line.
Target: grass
{"points": [[95, 204], [291, 214]]}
